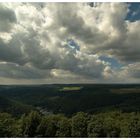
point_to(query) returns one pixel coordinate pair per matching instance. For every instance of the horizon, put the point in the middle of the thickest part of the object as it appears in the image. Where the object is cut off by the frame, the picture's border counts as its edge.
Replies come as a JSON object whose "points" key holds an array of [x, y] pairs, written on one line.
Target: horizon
{"points": [[40, 84]]}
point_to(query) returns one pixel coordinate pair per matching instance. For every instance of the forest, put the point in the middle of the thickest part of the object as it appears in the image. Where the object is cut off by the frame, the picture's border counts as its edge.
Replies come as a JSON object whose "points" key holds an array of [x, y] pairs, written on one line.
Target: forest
{"points": [[110, 124], [70, 111], [70, 99]]}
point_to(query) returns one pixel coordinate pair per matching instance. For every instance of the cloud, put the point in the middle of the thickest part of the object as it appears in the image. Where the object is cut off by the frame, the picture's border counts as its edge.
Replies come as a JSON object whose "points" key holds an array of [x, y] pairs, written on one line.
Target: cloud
{"points": [[7, 18], [132, 71], [130, 50], [64, 42], [10, 52], [12, 70]]}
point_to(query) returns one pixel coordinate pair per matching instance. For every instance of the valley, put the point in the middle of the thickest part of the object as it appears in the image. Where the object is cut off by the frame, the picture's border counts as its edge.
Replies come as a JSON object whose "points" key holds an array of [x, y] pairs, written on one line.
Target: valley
{"points": [[69, 99]]}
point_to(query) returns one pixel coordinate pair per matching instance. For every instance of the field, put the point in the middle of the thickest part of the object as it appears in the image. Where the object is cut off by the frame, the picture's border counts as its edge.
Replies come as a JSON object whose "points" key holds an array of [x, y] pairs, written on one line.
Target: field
{"points": [[70, 88]]}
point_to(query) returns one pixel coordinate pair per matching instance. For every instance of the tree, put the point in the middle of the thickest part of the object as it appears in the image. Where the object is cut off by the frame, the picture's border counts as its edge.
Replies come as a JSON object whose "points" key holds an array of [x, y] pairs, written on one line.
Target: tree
{"points": [[96, 127], [30, 124], [79, 125], [6, 125], [64, 128], [134, 127], [48, 126], [112, 127]]}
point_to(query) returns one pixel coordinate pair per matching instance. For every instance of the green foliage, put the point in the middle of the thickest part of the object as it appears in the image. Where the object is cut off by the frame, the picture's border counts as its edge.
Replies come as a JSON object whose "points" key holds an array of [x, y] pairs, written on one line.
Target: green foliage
{"points": [[134, 127], [64, 128], [79, 125], [103, 101], [109, 124], [112, 127], [48, 126], [41, 129], [7, 125], [30, 124], [96, 127], [13, 107]]}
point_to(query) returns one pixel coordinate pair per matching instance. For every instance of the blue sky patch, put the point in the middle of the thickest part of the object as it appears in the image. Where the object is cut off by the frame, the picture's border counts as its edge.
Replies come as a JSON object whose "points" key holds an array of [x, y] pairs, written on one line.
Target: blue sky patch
{"points": [[73, 45], [114, 63], [134, 13]]}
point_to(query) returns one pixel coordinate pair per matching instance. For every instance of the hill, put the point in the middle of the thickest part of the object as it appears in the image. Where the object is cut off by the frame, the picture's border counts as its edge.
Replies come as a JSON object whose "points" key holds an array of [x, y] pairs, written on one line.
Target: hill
{"points": [[69, 99], [13, 107]]}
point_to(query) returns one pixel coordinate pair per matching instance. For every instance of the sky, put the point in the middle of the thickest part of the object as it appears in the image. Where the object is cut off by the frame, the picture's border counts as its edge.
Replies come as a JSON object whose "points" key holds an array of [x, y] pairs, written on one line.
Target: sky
{"points": [[45, 43]]}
